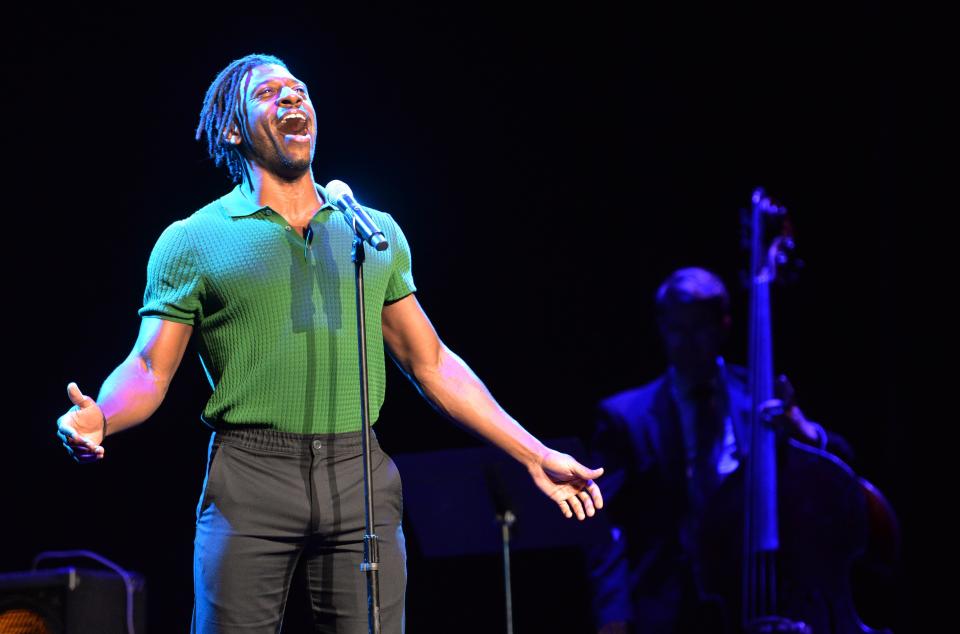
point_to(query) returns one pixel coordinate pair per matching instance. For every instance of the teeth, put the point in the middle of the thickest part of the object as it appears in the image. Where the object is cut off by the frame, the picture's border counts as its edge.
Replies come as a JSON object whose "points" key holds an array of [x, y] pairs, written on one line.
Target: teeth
{"points": [[297, 129]]}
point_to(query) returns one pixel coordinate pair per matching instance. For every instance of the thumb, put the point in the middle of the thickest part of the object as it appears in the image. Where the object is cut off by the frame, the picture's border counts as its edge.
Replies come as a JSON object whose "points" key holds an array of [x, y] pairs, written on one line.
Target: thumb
{"points": [[77, 397], [586, 473]]}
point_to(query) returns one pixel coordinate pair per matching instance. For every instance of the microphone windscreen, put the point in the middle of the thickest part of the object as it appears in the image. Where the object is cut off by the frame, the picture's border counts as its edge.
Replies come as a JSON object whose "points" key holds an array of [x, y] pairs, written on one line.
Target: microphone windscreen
{"points": [[338, 189]]}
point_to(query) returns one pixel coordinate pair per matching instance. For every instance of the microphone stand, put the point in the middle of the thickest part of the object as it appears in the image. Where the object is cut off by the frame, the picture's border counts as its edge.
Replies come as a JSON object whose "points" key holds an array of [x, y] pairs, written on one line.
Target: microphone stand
{"points": [[506, 520], [371, 549]]}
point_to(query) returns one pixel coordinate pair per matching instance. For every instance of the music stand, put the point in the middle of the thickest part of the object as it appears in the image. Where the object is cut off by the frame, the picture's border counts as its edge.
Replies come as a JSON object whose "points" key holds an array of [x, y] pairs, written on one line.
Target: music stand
{"points": [[460, 501]]}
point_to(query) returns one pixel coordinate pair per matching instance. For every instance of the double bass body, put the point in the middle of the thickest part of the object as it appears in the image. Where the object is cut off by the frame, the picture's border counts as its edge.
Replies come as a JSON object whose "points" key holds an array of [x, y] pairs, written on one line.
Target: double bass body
{"points": [[825, 526]]}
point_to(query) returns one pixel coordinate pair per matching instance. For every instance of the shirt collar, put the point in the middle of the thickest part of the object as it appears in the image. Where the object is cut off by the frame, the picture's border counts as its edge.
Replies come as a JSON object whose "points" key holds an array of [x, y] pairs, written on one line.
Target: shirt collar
{"points": [[686, 391], [237, 205]]}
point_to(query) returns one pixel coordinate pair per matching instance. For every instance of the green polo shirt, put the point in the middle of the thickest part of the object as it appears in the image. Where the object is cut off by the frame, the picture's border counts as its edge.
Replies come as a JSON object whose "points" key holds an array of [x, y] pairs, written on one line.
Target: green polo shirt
{"points": [[275, 316]]}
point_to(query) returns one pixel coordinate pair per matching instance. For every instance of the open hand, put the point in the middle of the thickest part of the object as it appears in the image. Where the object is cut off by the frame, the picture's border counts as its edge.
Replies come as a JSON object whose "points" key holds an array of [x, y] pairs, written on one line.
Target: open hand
{"points": [[82, 428], [568, 483]]}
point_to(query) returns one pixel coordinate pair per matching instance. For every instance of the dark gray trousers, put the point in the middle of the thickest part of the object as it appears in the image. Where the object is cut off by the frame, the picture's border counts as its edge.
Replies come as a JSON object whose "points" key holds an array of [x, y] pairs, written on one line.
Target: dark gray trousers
{"points": [[270, 498]]}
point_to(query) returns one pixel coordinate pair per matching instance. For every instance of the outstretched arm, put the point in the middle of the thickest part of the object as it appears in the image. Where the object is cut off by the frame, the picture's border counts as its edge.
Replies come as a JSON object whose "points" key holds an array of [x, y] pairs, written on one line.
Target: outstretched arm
{"points": [[130, 395], [449, 384]]}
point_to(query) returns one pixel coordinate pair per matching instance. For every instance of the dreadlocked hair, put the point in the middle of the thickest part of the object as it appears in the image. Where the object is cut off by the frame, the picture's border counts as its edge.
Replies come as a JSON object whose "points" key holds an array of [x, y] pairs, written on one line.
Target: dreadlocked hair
{"points": [[223, 107]]}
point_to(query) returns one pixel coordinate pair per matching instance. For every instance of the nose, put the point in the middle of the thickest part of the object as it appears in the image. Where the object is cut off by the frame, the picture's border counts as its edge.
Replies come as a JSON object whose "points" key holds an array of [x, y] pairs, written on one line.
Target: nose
{"points": [[289, 98]]}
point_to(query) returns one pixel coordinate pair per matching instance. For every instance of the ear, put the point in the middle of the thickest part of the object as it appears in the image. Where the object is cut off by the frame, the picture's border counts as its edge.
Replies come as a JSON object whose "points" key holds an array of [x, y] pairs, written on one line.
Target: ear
{"points": [[232, 134]]}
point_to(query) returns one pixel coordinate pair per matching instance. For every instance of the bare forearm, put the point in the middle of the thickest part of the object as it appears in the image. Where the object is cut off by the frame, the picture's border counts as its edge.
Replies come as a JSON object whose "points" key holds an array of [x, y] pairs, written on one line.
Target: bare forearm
{"points": [[131, 394], [447, 382], [460, 395]]}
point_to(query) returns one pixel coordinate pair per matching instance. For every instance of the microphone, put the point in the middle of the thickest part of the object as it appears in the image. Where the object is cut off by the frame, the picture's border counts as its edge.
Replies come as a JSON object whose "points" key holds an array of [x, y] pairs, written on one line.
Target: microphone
{"points": [[357, 216]]}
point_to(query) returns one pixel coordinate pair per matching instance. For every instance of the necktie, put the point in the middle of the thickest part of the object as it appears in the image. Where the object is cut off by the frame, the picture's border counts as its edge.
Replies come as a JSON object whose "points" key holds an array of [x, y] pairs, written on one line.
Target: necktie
{"points": [[704, 478]]}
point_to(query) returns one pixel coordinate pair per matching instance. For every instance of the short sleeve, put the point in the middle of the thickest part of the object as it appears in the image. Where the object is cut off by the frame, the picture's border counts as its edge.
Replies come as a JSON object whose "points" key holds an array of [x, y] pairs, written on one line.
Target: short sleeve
{"points": [[401, 277], [174, 283]]}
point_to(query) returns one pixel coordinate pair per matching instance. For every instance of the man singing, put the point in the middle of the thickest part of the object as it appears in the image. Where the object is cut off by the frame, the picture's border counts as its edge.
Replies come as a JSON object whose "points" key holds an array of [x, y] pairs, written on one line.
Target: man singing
{"points": [[265, 278]]}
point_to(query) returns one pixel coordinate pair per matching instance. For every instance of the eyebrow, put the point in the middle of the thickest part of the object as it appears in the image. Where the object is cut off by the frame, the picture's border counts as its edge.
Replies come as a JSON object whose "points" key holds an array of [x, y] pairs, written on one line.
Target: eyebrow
{"points": [[278, 80]]}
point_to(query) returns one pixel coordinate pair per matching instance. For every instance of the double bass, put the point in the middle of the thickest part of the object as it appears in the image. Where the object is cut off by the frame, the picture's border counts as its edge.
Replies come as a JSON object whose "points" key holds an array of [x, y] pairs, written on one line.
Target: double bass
{"points": [[778, 541]]}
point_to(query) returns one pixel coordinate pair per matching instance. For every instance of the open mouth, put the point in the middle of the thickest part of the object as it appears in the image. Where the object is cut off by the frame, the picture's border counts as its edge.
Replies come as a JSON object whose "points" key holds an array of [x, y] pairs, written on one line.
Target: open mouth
{"points": [[295, 125]]}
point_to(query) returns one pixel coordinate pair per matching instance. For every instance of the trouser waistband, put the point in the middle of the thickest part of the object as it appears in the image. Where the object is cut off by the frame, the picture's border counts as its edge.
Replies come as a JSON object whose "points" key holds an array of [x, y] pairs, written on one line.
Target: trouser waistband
{"points": [[263, 439]]}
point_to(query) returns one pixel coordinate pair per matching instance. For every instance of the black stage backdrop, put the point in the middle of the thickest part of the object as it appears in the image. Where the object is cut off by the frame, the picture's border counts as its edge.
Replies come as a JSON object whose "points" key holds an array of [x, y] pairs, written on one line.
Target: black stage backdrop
{"points": [[549, 171]]}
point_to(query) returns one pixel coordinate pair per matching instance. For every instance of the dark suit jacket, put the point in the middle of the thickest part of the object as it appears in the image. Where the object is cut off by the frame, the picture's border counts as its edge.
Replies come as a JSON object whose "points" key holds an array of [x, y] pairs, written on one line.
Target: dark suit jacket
{"points": [[640, 571]]}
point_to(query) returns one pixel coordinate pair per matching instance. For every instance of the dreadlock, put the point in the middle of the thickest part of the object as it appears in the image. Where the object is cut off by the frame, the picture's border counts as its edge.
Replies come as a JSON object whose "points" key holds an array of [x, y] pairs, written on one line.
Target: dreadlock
{"points": [[223, 107]]}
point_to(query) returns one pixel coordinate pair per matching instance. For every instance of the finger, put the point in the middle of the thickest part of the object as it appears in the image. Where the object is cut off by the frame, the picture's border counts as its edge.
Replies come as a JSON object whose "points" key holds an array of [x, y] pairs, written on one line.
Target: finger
{"points": [[89, 452], [81, 444], [85, 456], [783, 389], [72, 438], [75, 445], [574, 503], [565, 508], [77, 440], [64, 424], [587, 503], [595, 494], [77, 397]]}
